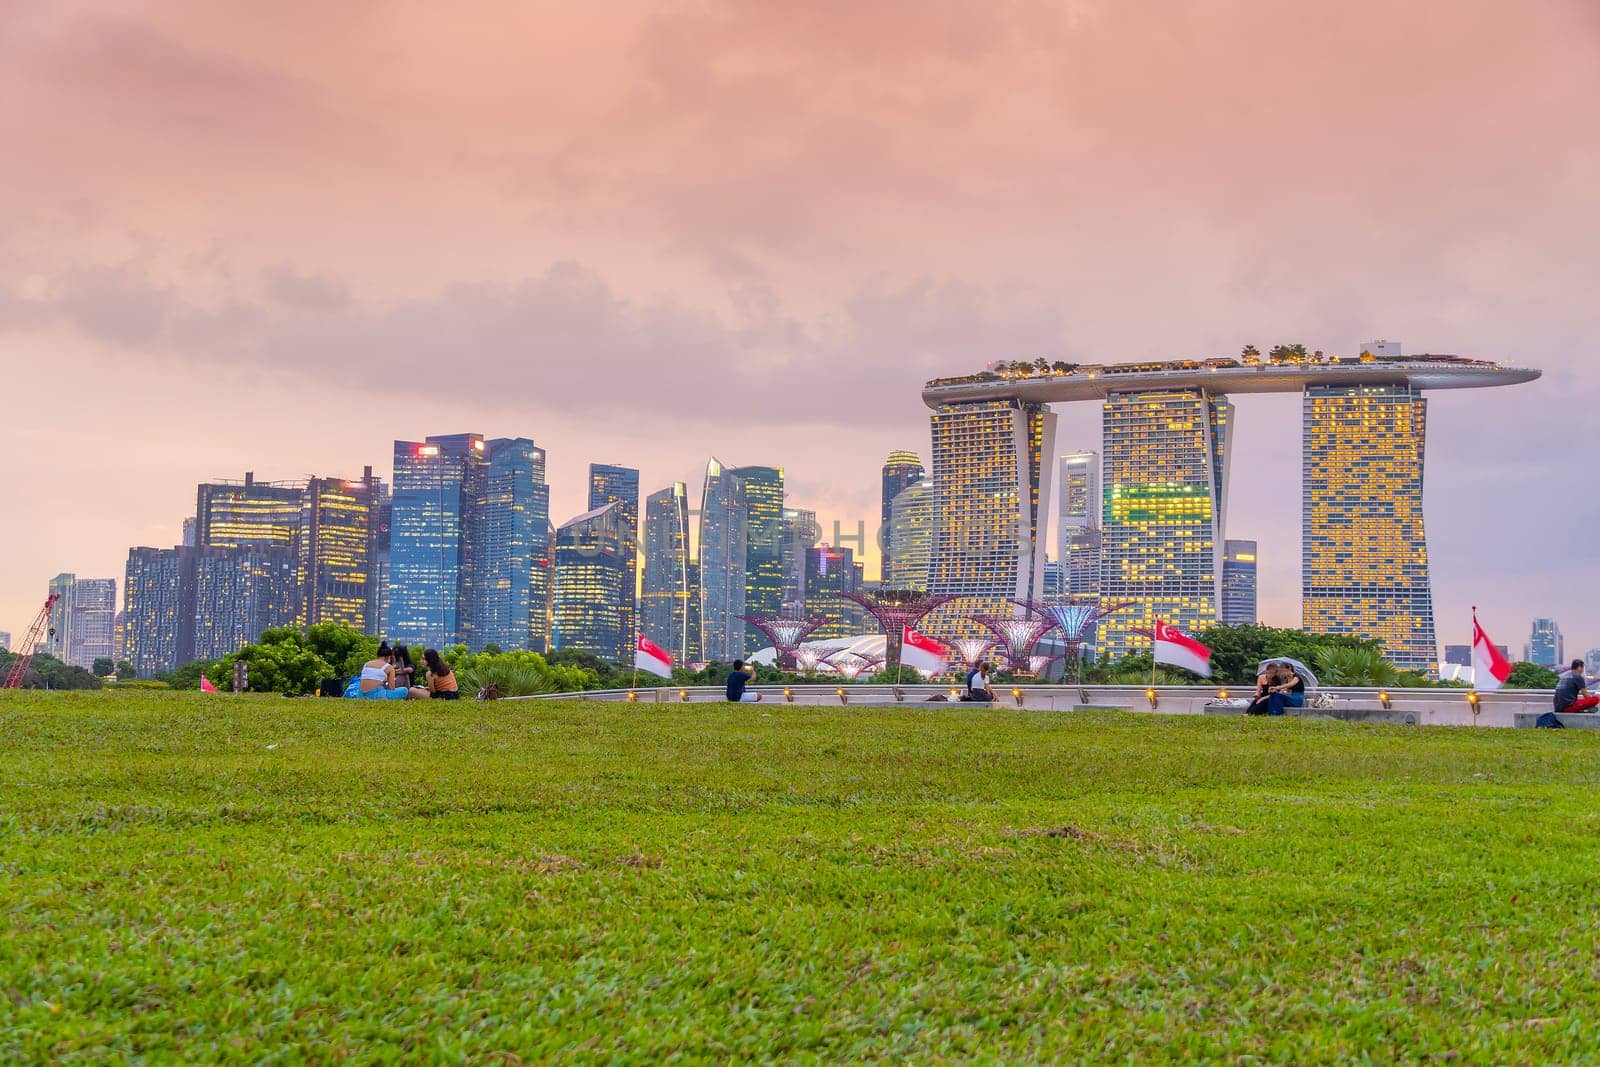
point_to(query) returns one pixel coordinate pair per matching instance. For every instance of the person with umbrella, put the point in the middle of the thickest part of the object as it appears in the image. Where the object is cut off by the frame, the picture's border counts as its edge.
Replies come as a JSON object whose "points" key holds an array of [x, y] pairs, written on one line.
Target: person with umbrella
{"points": [[1289, 688]]}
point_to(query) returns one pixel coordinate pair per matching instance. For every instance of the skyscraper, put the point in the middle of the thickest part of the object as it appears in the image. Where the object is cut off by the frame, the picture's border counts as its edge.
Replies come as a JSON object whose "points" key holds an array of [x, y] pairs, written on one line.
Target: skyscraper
{"points": [[900, 470], [800, 532], [257, 514], [1546, 646], [83, 622], [911, 532], [763, 560], [831, 572], [159, 585], [621, 484], [987, 504], [430, 557], [58, 631], [246, 536], [338, 539], [664, 602], [1166, 461], [723, 549], [238, 593], [1078, 523], [511, 519], [1364, 547], [383, 522], [1238, 584], [590, 572]]}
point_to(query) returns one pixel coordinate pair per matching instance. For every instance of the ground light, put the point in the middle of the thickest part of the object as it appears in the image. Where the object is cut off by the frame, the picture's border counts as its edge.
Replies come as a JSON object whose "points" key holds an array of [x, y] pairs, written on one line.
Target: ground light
{"points": [[1383, 698], [1472, 699], [1222, 694], [683, 696], [955, 694], [1150, 695], [844, 698], [1016, 694], [788, 695], [632, 696]]}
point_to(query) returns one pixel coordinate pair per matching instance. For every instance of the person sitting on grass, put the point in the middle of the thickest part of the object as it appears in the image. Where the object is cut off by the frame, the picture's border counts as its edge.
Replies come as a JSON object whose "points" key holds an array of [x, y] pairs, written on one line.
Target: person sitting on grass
{"points": [[1572, 691], [738, 678], [376, 680], [441, 679]]}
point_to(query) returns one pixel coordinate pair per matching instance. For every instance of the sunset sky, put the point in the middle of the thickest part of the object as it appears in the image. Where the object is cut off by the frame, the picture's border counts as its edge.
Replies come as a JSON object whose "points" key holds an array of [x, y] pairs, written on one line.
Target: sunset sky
{"points": [[276, 236]]}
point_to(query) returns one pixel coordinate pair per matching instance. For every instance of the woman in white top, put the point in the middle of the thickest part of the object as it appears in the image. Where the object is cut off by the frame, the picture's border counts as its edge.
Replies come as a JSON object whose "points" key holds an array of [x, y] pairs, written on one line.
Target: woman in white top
{"points": [[377, 680]]}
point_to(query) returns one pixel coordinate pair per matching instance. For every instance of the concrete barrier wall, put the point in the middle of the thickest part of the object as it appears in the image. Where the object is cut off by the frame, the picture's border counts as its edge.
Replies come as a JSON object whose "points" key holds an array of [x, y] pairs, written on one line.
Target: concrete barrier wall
{"points": [[1432, 707]]}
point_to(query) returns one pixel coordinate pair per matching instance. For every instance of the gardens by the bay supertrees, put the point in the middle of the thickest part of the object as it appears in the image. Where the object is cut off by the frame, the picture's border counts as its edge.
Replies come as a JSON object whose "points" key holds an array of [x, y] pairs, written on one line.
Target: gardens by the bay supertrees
{"points": [[851, 665], [971, 649], [786, 633], [895, 609], [1074, 618], [1015, 637]]}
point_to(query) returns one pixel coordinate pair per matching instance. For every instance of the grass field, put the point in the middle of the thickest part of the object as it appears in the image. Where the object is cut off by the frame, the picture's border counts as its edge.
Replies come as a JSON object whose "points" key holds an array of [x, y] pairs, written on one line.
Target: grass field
{"points": [[271, 880]]}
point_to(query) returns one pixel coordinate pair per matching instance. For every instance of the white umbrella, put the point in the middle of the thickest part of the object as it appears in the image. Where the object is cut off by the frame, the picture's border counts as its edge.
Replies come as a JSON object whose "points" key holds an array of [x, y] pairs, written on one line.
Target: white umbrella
{"points": [[1295, 665]]}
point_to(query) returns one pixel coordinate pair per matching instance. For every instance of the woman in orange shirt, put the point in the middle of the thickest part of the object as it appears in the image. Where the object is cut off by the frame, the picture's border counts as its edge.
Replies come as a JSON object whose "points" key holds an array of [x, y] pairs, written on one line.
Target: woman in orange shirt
{"points": [[441, 679]]}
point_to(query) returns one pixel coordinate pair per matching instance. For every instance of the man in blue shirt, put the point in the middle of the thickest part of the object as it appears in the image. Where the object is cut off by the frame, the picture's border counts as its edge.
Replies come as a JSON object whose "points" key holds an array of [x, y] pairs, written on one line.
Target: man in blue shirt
{"points": [[1572, 691], [737, 680], [978, 690]]}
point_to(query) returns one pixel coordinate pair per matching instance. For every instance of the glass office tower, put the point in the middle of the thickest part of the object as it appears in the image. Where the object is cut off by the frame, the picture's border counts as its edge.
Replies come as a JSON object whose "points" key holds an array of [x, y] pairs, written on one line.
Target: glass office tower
{"points": [[430, 554], [900, 471], [609, 483], [1363, 543], [511, 517], [664, 602], [336, 546], [590, 572], [989, 499], [1238, 583], [723, 547], [1165, 457]]}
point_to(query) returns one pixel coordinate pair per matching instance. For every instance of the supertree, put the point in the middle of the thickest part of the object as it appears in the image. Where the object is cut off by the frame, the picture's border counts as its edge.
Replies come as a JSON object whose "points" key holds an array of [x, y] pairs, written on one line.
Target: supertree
{"points": [[785, 633], [1075, 618], [896, 609], [851, 665], [1037, 665], [807, 660], [1017, 636], [971, 649]]}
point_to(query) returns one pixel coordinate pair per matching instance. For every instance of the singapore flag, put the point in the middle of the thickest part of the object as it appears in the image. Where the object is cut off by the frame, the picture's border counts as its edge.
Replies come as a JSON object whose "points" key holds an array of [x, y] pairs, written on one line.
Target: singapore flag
{"points": [[652, 658], [922, 652], [1177, 650]]}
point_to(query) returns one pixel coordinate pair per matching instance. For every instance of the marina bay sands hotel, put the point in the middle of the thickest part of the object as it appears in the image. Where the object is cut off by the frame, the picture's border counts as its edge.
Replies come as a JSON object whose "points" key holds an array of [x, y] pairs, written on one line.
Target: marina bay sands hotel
{"points": [[1167, 442]]}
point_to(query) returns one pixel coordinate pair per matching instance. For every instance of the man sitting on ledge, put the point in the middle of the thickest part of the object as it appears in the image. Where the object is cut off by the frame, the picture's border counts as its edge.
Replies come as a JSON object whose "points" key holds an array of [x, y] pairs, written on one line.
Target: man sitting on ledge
{"points": [[738, 678], [1572, 691]]}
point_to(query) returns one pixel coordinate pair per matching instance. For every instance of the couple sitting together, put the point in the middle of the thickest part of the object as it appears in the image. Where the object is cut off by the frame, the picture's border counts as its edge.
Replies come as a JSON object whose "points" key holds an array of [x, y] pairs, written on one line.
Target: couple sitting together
{"points": [[387, 676], [1278, 687]]}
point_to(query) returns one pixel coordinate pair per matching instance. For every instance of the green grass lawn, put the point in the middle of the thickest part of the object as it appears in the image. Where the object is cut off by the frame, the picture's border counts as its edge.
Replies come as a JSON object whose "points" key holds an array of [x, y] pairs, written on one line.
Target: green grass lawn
{"points": [[189, 878]]}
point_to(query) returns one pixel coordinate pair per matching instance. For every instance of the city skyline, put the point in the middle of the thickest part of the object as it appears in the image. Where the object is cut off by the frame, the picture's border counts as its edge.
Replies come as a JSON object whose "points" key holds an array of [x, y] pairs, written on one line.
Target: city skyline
{"points": [[759, 273]]}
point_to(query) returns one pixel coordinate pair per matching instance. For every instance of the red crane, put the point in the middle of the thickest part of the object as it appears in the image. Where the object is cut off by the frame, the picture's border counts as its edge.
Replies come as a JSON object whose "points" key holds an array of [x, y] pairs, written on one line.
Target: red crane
{"points": [[23, 659]]}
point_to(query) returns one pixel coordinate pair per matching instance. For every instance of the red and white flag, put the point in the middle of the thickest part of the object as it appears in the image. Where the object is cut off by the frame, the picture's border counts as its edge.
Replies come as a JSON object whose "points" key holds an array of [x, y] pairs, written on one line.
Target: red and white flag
{"points": [[922, 652], [652, 658], [1489, 668], [206, 686], [1177, 649]]}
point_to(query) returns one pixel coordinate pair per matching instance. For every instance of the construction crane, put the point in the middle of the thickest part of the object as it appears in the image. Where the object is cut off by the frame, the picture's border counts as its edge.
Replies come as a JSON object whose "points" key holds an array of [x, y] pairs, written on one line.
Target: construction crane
{"points": [[23, 657]]}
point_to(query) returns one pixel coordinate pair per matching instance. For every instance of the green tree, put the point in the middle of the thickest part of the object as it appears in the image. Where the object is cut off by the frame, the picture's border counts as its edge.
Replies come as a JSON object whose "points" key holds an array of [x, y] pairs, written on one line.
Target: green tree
{"points": [[102, 666], [47, 672], [125, 670], [1526, 675], [344, 647]]}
